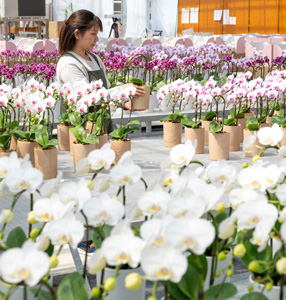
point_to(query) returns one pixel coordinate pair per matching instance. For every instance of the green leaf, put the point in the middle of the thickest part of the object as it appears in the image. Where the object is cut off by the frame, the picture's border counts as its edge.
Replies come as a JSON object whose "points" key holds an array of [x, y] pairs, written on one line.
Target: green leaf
{"points": [[36, 128], [199, 77], [79, 133], [254, 296], [252, 123], [277, 120], [45, 122], [229, 122], [91, 139], [75, 119], [199, 262], [42, 137], [129, 130], [203, 82], [137, 81], [209, 116], [63, 118], [175, 292], [134, 122], [227, 291], [41, 295], [189, 282], [5, 140], [115, 133], [223, 80], [20, 134], [215, 127], [16, 238], [72, 287]]}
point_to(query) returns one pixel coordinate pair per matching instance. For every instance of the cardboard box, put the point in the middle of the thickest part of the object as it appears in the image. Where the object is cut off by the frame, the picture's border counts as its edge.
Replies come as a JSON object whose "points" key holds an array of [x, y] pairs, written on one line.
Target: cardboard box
{"points": [[54, 29]]}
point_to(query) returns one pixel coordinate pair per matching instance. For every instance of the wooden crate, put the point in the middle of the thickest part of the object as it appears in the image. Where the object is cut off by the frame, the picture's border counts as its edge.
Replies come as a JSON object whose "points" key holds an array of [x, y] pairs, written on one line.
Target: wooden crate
{"points": [[54, 29]]}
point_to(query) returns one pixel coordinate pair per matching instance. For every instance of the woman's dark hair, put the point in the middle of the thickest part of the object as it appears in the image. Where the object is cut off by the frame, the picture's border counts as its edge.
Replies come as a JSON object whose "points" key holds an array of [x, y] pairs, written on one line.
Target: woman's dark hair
{"points": [[82, 20]]}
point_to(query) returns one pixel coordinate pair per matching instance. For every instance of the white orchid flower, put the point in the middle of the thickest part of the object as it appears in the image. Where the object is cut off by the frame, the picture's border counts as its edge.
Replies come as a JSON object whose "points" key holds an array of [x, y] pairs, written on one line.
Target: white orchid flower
{"points": [[8, 163], [168, 177], [239, 196], [249, 214], [260, 235], [270, 136], [122, 247], [163, 263], [25, 178], [48, 209], [126, 172], [26, 264], [103, 210], [182, 154], [66, 230], [51, 186], [82, 167], [190, 233], [77, 193], [185, 206], [249, 143], [101, 158], [282, 152], [154, 202], [96, 262]]}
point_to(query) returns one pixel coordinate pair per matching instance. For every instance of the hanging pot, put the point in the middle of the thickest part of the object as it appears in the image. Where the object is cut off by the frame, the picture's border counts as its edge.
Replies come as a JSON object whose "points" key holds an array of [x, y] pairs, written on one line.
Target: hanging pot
{"points": [[103, 139], [221, 269], [26, 147], [81, 151], [88, 128], [120, 292], [120, 147], [242, 123], [13, 143], [255, 149], [219, 146], [47, 161], [142, 102], [72, 140], [196, 134], [205, 125], [234, 137], [172, 133], [271, 295], [63, 137]]}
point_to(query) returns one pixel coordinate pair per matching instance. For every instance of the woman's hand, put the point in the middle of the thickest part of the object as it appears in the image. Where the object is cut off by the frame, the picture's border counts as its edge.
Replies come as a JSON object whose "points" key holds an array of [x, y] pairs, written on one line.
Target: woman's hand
{"points": [[140, 91]]}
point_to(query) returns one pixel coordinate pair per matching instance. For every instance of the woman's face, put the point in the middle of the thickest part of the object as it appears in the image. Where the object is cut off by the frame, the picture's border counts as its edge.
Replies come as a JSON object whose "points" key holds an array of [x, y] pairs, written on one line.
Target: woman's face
{"points": [[88, 39]]}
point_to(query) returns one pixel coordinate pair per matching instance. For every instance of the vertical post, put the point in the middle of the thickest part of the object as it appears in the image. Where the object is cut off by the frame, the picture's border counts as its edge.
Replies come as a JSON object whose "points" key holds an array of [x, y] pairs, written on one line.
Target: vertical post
{"points": [[248, 16], [149, 24]]}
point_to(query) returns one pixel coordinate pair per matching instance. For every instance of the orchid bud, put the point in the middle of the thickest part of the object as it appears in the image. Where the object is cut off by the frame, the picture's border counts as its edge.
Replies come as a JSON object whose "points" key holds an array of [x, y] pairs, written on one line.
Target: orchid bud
{"points": [[133, 281], [239, 250], [281, 266], [229, 273], [54, 261], [8, 216], [254, 266], [110, 284], [269, 286], [220, 208], [152, 298], [95, 292], [256, 158], [245, 165], [90, 184], [221, 256], [34, 233], [31, 218]]}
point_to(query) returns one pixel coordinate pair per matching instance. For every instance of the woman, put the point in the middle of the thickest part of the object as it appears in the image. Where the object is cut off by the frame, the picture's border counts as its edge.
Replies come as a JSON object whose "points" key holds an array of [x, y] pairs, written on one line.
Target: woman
{"points": [[77, 39]]}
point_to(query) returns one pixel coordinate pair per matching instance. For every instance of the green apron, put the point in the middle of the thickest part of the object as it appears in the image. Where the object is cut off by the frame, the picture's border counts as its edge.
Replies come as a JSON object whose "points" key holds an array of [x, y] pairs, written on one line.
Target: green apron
{"points": [[93, 76]]}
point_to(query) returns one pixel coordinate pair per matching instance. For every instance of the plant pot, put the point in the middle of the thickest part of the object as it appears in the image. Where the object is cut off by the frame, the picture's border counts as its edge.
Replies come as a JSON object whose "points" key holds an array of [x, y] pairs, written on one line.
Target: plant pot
{"points": [[283, 140], [219, 146], [72, 140], [47, 161], [172, 133], [268, 120], [153, 102], [265, 125], [63, 137], [205, 125], [142, 102], [196, 134], [242, 123], [26, 147], [120, 147], [81, 151], [234, 137], [88, 128], [274, 294], [255, 150], [249, 114], [13, 143], [18, 294], [103, 139], [221, 266], [4, 152], [120, 292]]}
